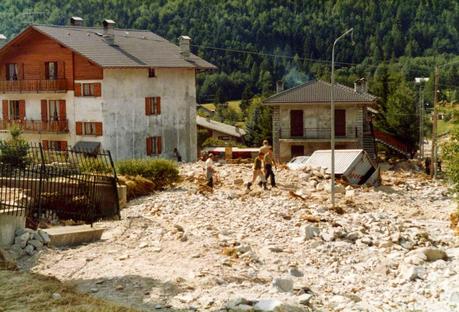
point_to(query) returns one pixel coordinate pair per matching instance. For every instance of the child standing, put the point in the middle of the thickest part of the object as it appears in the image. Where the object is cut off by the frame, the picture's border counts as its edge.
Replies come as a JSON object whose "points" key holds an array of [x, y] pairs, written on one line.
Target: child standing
{"points": [[258, 172]]}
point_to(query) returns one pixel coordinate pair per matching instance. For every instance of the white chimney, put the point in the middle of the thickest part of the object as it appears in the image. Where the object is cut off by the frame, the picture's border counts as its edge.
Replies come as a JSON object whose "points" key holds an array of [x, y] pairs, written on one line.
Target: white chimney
{"points": [[279, 86], [360, 85], [184, 44], [109, 31], [76, 21]]}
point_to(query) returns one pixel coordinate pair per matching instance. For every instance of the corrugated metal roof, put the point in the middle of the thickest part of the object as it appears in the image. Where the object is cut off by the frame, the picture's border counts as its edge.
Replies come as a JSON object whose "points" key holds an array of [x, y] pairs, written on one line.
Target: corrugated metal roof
{"points": [[219, 126], [343, 159], [318, 91], [132, 48]]}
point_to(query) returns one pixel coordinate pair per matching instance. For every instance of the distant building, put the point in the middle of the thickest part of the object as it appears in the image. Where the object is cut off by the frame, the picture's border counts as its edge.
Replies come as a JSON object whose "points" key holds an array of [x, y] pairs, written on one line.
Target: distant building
{"points": [[219, 130], [129, 91], [301, 119]]}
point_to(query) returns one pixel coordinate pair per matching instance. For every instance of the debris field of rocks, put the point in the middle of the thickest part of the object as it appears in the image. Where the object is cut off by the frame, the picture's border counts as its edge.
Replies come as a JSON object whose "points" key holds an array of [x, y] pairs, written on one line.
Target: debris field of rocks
{"points": [[385, 248]]}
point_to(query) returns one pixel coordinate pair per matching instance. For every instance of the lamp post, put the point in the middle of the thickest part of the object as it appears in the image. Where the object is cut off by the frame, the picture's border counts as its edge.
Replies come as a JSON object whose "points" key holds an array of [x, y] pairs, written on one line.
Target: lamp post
{"points": [[332, 116], [420, 81]]}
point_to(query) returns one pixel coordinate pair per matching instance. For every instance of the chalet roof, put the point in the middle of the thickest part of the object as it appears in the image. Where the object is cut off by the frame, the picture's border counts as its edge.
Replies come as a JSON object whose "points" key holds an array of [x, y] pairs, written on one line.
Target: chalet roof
{"points": [[318, 91], [219, 126], [131, 48]]}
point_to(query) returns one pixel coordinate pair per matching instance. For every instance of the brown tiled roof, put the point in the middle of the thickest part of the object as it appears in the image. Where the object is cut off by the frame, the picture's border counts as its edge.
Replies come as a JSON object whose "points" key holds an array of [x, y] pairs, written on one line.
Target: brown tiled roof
{"points": [[318, 91], [132, 48]]}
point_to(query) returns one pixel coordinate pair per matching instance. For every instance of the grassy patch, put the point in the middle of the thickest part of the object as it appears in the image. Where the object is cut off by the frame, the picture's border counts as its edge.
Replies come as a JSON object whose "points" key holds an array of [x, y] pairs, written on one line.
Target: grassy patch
{"points": [[21, 291], [162, 172]]}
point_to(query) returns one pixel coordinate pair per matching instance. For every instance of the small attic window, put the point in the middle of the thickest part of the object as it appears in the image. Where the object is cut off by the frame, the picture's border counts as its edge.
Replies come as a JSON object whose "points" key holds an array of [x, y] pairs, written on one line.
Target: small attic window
{"points": [[151, 72]]}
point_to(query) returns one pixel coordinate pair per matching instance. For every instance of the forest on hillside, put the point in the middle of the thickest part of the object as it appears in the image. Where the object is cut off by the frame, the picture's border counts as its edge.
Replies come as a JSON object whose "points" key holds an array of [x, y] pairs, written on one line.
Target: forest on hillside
{"points": [[255, 43]]}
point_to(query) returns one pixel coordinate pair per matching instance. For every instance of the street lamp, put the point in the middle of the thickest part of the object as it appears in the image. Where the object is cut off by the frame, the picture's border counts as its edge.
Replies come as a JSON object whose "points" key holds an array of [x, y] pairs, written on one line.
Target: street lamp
{"points": [[420, 81], [332, 113]]}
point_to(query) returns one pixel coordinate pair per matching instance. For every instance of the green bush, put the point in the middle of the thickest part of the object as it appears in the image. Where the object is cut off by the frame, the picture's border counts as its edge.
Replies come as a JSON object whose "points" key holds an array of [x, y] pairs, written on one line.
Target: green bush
{"points": [[162, 172], [90, 165], [450, 157], [15, 151]]}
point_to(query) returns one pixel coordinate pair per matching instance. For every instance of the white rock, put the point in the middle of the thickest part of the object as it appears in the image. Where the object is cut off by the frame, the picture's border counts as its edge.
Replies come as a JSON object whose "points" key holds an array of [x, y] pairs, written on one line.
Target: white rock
{"points": [[22, 239], [36, 243], [267, 305], [56, 296], [308, 232], [44, 236], [304, 299], [29, 249], [295, 272], [283, 284]]}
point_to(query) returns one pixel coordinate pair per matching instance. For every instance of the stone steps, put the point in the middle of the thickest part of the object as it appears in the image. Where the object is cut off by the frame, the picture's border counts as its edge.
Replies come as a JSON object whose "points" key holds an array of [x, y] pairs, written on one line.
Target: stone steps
{"points": [[73, 235]]}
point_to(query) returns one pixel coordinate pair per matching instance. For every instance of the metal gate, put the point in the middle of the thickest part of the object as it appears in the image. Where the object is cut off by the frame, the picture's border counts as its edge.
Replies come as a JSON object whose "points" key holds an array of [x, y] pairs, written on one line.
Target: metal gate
{"points": [[55, 185]]}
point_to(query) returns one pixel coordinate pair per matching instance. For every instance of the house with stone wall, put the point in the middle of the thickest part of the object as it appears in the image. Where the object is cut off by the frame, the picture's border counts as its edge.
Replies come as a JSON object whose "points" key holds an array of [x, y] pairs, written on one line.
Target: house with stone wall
{"points": [[128, 91], [301, 118]]}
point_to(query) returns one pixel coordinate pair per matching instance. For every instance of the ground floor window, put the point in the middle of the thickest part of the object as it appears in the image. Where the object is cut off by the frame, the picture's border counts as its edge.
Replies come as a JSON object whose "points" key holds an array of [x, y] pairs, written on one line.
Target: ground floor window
{"points": [[54, 145], [154, 145]]}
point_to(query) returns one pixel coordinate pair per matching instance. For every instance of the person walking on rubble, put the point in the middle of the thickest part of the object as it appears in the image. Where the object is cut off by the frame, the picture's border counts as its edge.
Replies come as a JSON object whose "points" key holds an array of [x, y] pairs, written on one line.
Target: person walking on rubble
{"points": [[210, 170], [258, 172], [269, 162], [265, 147]]}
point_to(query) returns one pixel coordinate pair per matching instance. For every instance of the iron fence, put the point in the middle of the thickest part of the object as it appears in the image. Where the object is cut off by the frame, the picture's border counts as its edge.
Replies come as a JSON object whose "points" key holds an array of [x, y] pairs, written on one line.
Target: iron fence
{"points": [[54, 184]]}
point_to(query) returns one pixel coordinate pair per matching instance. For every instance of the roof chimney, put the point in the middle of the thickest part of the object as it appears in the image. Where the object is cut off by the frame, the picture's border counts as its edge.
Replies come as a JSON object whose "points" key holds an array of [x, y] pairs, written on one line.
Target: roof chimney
{"points": [[279, 86], [109, 31], [2, 40], [360, 85], [76, 21], [184, 44]]}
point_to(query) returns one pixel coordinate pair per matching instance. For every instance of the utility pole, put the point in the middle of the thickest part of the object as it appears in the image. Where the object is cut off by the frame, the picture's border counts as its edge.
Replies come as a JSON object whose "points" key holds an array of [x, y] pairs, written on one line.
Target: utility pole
{"points": [[420, 81], [433, 164]]}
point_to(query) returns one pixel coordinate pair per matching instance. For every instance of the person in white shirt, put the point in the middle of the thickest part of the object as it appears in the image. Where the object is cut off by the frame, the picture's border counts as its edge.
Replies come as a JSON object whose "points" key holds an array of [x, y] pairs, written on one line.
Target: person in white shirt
{"points": [[210, 170]]}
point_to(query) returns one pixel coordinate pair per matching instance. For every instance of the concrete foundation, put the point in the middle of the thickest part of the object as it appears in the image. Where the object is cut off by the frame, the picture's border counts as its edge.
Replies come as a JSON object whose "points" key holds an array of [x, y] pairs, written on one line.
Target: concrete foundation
{"points": [[73, 235], [8, 225]]}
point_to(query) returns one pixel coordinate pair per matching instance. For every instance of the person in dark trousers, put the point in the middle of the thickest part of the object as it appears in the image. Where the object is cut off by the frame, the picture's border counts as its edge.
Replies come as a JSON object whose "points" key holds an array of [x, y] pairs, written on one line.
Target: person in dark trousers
{"points": [[427, 163], [258, 172], [269, 162], [177, 154]]}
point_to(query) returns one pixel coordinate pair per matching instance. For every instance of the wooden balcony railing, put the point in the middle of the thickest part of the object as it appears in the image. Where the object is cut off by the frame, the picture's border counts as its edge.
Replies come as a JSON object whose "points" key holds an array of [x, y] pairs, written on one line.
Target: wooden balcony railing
{"points": [[19, 86], [56, 126]]}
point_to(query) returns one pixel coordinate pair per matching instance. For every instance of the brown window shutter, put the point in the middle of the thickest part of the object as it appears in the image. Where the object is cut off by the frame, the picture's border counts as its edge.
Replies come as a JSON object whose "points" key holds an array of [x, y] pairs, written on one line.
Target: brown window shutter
{"points": [[44, 110], [149, 146], [21, 109], [5, 110], [62, 110], [98, 128], [77, 89], [97, 89], [79, 128], [158, 145], [147, 106], [60, 70], [45, 144], [158, 105], [21, 71], [63, 145], [46, 70]]}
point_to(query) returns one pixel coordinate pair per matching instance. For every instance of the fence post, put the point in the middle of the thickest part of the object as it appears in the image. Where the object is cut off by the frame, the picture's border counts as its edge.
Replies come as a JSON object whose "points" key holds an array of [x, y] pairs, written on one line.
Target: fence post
{"points": [[117, 199], [40, 184]]}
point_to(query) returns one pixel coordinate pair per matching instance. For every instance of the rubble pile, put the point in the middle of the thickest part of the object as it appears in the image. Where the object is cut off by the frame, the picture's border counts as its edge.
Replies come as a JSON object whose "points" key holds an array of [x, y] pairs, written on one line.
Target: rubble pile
{"points": [[386, 248], [28, 242]]}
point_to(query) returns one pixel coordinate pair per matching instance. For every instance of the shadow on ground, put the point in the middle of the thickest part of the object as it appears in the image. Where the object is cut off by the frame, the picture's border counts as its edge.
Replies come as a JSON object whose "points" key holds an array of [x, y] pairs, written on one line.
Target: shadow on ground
{"points": [[133, 291]]}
